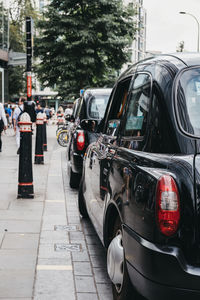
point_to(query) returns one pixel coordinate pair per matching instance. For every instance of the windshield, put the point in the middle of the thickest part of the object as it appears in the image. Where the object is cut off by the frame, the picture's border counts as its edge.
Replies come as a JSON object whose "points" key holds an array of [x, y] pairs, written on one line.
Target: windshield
{"points": [[97, 106], [188, 101]]}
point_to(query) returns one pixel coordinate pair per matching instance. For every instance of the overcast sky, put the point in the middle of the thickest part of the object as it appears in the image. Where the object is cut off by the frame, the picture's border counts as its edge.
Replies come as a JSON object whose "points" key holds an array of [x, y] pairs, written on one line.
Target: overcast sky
{"points": [[166, 27]]}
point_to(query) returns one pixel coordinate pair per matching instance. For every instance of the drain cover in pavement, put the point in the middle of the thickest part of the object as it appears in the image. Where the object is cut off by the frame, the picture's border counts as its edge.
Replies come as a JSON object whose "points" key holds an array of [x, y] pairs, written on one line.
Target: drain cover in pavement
{"points": [[66, 228], [68, 247]]}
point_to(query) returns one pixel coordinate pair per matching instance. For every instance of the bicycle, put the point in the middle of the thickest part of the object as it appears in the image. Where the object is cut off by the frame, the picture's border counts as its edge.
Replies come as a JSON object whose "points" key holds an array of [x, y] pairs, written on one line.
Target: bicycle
{"points": [[62, 135]]}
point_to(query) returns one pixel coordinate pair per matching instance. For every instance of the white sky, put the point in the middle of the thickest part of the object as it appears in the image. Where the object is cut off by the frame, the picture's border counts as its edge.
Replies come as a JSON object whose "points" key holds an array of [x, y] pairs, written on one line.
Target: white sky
{"points": [[166, 27]]}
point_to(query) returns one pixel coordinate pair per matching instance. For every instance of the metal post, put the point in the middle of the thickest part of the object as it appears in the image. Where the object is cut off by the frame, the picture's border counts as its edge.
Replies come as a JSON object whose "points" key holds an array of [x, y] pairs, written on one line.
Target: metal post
{"points": [[29, 57], [25, 176], [25, 187], [39, 154], [198, 26], [45, 132]]}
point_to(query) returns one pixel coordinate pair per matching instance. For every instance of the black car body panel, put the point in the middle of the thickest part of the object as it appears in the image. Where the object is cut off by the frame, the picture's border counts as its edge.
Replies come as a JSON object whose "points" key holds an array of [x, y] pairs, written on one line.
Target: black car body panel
{"points": [[90, 106], [123, 167]]}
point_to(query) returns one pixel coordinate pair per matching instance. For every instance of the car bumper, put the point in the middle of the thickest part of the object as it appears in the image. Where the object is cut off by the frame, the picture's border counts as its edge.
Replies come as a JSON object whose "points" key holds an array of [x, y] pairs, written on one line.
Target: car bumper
{"points": [[77, 163], [159, 272]]}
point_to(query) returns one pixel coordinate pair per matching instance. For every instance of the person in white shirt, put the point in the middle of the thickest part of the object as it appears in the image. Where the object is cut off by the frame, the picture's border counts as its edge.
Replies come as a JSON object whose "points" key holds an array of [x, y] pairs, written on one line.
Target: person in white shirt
{"points": [[3, 118], [68, 111], [18, 110]]}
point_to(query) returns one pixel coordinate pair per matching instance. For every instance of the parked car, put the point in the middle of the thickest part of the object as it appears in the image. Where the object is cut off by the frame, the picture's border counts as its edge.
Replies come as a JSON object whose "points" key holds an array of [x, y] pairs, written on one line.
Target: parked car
{"points": [[90, 106], [141, 180]]}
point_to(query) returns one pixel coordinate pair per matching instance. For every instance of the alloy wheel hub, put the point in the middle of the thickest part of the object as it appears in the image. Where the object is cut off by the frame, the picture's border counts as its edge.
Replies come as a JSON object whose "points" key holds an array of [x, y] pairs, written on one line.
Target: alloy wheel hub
{"points": [[115, 259]]}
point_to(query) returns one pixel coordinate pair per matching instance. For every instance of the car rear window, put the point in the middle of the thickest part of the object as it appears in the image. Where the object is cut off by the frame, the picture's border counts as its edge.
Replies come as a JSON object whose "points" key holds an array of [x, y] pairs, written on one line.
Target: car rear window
{"points": [[97, 106], [188, 101]]}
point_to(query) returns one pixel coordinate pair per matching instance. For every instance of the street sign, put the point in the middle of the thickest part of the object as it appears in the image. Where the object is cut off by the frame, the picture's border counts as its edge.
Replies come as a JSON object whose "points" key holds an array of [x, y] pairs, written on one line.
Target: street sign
{"points": [[29, 85]]}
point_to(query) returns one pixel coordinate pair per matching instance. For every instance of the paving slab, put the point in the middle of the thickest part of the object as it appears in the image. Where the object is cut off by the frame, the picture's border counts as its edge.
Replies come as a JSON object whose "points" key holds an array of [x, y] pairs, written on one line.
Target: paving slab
{"points": [[20, 215], [50, 285], [26, 204], [87, 296], [18, 259], [39, 237], [52, 236], [20, 226], [15, 284], [20, 241], [85, 284], [82, 268]]}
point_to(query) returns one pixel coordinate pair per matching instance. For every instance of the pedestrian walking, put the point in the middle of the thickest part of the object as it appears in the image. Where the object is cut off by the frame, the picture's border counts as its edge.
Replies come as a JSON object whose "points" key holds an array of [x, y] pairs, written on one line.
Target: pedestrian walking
{"points": [[3, 123], [39, 109], [47, 112], [9, 111], [16, 115]]}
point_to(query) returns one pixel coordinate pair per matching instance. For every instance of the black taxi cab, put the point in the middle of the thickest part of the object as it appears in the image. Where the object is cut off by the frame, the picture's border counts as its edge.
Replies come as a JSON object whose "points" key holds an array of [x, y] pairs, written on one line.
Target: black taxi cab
{"points": [[90, 106], [141, 180]]}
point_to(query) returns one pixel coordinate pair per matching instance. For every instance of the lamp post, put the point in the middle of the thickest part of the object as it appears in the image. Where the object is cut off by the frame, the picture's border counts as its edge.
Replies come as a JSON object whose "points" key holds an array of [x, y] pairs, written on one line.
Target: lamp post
{"points": [[185, 13]]}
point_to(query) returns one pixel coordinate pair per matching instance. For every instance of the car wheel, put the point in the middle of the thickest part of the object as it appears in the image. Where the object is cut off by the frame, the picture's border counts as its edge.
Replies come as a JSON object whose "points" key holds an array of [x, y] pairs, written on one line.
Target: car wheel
{"points": [[62, 138], [73, 179], [117, 269], [81, 202]]}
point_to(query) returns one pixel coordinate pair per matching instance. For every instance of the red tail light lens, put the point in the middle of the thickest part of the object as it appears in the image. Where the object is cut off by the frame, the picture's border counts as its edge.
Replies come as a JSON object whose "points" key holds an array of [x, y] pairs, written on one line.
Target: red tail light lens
{"points": [[167, 205], [80, 141]]}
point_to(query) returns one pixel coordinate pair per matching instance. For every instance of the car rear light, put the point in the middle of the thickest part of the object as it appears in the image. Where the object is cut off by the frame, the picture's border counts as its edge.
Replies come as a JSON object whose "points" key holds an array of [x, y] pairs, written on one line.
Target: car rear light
{"points": [[80, 141], [167, 205]]}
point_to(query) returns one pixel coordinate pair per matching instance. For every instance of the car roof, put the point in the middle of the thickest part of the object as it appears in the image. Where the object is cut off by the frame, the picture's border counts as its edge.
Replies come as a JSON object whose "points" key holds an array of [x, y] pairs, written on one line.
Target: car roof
{"points": [[189, 58], [98, 91], [179, 60]]}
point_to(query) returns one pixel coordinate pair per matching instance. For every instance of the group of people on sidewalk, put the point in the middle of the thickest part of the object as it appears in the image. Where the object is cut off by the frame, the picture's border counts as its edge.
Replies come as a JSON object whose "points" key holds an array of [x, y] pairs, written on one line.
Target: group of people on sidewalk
{"points": [[4, 122], [16, 114]]}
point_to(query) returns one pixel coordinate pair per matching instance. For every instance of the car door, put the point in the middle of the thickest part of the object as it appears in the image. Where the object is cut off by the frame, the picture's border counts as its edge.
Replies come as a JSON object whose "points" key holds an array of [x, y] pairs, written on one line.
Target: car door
{"points": [[128, 183], [101, 152]]}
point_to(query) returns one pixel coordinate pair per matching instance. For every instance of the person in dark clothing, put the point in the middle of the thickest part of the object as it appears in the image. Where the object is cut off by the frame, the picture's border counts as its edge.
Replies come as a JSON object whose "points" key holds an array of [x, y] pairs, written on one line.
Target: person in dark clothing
{"points": [[3, 123], [39, 109]]}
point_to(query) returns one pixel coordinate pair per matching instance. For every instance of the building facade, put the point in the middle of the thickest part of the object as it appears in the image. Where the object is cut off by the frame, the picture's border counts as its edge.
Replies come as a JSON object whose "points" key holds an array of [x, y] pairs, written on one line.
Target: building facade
{"points": [[4, 46], [138, 47]]}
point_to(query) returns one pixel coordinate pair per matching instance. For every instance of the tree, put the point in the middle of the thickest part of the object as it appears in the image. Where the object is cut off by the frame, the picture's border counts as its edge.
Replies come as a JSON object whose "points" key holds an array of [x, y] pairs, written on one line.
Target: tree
{"points": [[81, 42], [20, 9]]}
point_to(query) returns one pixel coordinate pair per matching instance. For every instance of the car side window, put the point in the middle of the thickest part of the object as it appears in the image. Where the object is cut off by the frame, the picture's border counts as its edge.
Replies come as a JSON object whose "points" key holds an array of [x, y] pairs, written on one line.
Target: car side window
{"points": [[75, 108], [138, 106], [117, 108], [161, 136], [80, 114]]}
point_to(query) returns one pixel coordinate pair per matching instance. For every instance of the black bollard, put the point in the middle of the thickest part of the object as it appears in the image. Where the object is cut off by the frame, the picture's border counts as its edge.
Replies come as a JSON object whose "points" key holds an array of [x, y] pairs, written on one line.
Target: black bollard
{"points": [[45, 132], [39, 156], [25, 176]]}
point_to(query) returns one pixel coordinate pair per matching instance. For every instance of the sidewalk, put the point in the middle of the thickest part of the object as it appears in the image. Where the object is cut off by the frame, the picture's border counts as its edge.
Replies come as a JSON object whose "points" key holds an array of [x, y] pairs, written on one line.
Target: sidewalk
{"points": [[46, 251]]}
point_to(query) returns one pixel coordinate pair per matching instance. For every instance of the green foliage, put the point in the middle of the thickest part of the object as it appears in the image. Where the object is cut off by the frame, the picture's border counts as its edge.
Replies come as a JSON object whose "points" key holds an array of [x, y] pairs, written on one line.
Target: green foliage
{"points": [[17, 80], [83, 43], [20, 9], [16, 40]]}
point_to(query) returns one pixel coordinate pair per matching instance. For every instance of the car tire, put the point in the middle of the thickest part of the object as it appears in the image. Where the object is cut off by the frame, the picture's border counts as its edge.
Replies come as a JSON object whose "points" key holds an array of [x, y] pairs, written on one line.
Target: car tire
{"points": [[73, 179], [123, 290], [81, 202]]}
